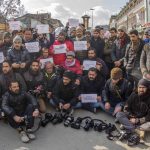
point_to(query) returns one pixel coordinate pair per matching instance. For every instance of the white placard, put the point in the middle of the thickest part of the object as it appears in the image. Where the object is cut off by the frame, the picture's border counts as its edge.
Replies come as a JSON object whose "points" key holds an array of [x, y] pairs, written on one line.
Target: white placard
{"points": [[88, 98], [42, 28], [73, 22], [43, 61], [80, 45], [15, 25], [87, 64], [1, 57], [32, 47], [60, 49]]}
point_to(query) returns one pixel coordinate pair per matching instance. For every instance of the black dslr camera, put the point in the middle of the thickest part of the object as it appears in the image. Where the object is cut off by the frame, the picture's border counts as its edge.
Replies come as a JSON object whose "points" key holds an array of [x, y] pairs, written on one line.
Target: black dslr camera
{"points": [[48, 118], [58, 118], [100, 126], [89, 123], [68, 121], [77, 123]]}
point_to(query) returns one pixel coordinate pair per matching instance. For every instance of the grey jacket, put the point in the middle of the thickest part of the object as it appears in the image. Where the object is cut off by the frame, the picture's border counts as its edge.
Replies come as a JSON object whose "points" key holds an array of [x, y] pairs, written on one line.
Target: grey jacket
{"points": [[145, 60]]}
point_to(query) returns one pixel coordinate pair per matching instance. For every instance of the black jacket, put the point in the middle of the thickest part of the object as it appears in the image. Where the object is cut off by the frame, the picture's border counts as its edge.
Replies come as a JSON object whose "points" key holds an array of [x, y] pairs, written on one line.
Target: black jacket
{"points": [[13, 104], [99, 46], [92, 87], [116, 94], [5, 80], [33, 80], [139, 106], [18, 56], [68, 93]]}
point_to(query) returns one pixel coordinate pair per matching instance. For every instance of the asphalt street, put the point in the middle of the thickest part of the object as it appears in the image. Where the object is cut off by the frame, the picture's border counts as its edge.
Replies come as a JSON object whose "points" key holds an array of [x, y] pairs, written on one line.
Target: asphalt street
{"points": [[59, 137]]}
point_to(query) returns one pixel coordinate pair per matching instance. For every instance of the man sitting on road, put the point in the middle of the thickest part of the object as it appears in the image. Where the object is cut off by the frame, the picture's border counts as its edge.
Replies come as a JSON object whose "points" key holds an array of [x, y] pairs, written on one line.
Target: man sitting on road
{"points": [[17, 104], [65, 93], [136, 113]]}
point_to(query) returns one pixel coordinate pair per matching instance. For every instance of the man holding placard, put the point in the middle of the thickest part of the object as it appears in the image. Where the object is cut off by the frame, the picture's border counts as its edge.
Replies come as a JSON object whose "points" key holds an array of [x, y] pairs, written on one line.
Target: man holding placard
{"points": [[80, 45], [60, 47], [31, 44], [91, 90]]}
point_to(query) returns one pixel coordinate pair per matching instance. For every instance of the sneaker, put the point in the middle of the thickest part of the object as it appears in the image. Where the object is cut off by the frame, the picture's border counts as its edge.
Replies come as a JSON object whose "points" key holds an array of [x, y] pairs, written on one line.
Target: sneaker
{"points": [[24, 137], [30, 134]]}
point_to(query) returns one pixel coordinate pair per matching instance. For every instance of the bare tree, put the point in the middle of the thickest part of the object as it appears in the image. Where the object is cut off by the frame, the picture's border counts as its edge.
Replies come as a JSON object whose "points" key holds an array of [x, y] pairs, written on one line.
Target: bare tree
{"points": [[8, 8]]}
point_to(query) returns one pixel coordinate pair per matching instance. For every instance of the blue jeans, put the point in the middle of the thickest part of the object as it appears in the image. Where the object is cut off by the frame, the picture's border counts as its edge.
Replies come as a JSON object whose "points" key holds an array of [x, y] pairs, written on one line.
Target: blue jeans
{"points": [[112, 110]]}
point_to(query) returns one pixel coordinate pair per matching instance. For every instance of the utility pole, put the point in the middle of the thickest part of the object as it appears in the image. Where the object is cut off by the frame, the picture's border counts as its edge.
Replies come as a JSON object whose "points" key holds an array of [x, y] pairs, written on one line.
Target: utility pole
{"points": [[92, 16]]}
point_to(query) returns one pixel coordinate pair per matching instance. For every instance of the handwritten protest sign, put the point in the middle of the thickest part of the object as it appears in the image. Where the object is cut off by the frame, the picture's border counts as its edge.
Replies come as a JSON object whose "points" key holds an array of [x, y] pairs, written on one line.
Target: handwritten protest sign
{"points": [[73, 22], [15, 25], [43, 61], [1, 57], [32, 47], [42, 28], [80, 45], [89, 98], [60, 49], [87, 64]]}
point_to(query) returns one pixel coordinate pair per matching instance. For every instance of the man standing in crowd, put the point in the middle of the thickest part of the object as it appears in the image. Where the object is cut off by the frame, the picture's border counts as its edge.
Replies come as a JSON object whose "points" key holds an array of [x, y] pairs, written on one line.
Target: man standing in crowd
{"points": [[17, 104], [147, 36], [18, 56], [108, 48], [131, 59], [8, 75], [80, 54], [145, 61], [116, 92], [34, 79], [7, 43], [62, 43], [28, 38], [65, 95], [119, 46], [98, 43], [92, 84], [136, 113]]}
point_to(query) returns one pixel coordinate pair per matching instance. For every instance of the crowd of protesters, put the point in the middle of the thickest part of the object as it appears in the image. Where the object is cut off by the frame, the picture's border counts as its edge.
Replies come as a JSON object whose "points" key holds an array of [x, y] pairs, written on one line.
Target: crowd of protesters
{"points": [[120, 78]]}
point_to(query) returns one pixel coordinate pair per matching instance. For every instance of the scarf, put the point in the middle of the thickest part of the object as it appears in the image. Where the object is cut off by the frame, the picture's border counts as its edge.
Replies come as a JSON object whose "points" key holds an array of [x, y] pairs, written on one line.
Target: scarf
{"points": [[69, 64]]}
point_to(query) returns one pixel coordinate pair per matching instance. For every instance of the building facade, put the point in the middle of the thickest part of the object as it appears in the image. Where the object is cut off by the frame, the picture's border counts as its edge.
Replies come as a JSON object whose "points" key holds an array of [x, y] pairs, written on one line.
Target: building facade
{"points": [[134, 15]]}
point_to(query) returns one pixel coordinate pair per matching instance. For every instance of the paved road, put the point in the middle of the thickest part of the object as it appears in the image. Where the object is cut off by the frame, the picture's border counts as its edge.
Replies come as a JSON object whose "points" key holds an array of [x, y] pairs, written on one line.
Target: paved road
{"points": [[60, 138]]}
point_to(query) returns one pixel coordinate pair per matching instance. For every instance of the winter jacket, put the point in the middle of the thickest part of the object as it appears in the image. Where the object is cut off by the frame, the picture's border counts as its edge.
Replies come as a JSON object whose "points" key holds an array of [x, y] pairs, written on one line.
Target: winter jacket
{"points": [[76, 68], [68, 93], [116, 94], [99, 46], [145, 60], [33, 80], [18, 56], [92, 87], [80, 54], [118, 48], [5, 80], [60, 58], [13, 104], [139, 106]]}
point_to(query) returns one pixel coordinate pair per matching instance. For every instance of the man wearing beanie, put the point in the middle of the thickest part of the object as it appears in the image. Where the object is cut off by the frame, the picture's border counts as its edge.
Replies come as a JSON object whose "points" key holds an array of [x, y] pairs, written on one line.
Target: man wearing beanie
{"points": [[65, 93], [18, 56], [136, 114], [116, 92]]}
